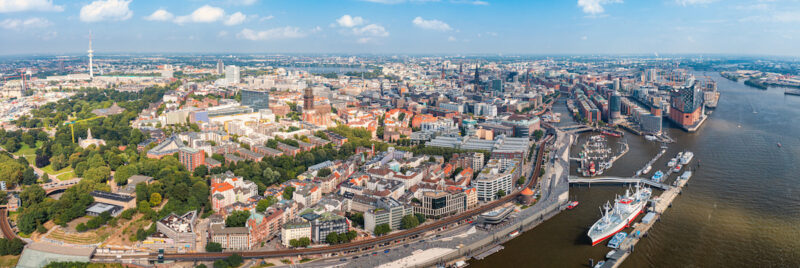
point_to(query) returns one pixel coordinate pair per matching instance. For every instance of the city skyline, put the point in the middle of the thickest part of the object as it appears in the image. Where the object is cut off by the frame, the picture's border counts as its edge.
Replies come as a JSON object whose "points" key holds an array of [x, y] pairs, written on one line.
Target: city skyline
{"points": [[402, 27]]}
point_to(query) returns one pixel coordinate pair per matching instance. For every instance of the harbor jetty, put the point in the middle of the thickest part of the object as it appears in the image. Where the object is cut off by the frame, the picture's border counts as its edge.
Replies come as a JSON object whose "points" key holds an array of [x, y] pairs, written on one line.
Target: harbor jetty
{"points": [[658, 206]]}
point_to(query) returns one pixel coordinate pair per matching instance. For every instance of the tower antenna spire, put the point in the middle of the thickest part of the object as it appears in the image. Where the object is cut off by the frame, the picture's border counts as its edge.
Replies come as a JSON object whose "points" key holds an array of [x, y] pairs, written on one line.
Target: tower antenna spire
{"points": [[91, 54]]}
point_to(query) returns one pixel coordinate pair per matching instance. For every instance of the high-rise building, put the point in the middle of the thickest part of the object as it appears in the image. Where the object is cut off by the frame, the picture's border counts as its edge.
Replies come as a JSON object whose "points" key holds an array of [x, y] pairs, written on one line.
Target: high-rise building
{"points": [[232, 74], [191, 158], [616, 105], [497, 85], [308, 99], [256, 99], [220, 66], [686, 105], [616, 84]]}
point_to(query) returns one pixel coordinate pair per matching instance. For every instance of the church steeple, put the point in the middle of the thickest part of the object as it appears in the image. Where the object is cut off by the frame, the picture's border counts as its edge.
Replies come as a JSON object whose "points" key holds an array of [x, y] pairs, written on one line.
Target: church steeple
{"points": [[89, 135]]}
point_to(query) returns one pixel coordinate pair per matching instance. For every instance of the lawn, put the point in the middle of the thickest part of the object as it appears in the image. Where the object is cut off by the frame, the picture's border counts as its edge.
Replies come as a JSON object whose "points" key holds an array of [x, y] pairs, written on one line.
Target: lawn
{"points": [[8, 261], [25, 149], [66, 176], [49, 170]]}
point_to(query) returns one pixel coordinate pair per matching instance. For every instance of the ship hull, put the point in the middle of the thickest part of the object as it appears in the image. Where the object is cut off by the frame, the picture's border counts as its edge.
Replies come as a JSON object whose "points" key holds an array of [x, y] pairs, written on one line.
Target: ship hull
{"points": [[618, 228]]}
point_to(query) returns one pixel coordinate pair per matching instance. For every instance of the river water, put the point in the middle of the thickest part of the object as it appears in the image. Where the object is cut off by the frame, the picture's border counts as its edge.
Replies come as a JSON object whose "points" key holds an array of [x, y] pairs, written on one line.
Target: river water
{"points": [[740, 209]]}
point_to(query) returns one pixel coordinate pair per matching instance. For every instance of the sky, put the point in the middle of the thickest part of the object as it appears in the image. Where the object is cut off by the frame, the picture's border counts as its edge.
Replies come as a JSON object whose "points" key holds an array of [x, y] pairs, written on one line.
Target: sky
{"points": [[755, 27]]}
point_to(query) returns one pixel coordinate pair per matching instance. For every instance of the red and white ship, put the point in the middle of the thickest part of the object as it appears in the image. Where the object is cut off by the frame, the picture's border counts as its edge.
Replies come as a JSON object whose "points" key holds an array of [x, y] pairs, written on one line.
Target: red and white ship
{"points": [[625, 209]]}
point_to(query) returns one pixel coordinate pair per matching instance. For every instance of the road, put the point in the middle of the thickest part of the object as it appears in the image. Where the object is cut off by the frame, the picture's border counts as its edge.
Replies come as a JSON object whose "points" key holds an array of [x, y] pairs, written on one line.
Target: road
{"points": [[5, 226]]}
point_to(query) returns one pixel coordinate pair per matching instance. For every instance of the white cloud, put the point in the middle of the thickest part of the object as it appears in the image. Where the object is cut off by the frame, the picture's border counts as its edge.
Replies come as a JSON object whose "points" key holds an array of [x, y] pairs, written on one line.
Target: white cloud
{"points": [[371, 30], [18, 24], [436, 25], [693, 2], [7, 6], [160, 15], [364, 40], [102, 10], [452, 39], [287, 32], [243, 2], [594, 7], [235, 19], [267, 18], [203, 14], [222, 34], [350, 21], [471, 2], [584, 37]]}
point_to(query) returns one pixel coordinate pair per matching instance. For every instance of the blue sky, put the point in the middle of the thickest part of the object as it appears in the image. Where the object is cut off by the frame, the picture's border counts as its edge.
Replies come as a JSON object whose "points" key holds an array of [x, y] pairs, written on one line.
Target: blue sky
{"points": [[768, 27]]}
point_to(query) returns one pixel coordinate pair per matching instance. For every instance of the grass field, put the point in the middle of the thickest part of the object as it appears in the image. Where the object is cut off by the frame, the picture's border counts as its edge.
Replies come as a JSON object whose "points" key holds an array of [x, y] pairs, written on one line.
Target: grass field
{"points": [[8, 261], [25, 149], [49, 170]]}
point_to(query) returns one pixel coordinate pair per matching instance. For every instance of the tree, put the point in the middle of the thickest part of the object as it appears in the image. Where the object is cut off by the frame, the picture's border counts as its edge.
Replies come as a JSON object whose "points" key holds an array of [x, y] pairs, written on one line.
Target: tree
{"points": [[500, 193], [538, 134], [304, 241], [46, 178], [382, 229], [33, 194], [288, 192], [213, 247], [28, 177], [155, 199], [81, 227], [124, 172], [265, 203], [324, 172], [409, 222], [420, 217], [332, 238], [237, 218], [294, 243], [143, 206], [521, 180], [200, 171], [357, 218], [97, 174]]}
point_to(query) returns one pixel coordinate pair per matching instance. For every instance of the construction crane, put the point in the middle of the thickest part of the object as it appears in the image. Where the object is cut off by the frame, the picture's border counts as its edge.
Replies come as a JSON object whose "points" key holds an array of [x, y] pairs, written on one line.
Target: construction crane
{"points": [[73, 122]]}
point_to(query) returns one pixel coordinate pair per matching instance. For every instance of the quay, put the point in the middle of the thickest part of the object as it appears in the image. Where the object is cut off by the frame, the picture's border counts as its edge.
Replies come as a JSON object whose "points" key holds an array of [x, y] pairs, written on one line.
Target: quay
{"points": [[488, 252], [617, 180], [650, 163], [658, 206]]}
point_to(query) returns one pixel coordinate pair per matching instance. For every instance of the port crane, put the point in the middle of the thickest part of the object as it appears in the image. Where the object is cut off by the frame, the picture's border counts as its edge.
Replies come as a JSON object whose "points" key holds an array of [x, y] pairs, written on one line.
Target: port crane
{"points": [[73, 122]]}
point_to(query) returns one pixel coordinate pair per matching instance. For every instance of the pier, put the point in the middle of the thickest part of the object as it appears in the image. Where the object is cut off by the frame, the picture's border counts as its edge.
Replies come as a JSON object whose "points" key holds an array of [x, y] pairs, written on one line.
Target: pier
{"points": [[658, 206], [652, 161], [488, 252], [617, 180]]}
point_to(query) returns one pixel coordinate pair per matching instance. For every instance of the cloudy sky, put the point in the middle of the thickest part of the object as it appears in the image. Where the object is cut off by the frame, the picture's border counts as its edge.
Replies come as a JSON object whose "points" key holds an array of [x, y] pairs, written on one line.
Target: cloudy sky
{"points": [[768, 27]]}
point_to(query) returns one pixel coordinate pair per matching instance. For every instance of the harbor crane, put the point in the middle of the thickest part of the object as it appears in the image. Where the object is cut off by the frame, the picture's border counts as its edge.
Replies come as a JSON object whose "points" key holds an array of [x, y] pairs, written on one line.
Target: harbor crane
{"points": [[73, 122]]}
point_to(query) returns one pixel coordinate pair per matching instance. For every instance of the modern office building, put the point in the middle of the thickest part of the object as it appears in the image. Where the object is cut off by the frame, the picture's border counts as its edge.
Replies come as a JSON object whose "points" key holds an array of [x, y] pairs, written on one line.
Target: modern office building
{"points": [[327, 223], [256, 99], [232, 75], [498, 175], [440, 204], [294, 231], [615, 105], [387, 211]]}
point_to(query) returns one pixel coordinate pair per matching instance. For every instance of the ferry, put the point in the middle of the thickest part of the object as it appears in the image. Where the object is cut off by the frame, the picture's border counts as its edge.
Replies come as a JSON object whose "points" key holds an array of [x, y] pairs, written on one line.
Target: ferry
{"points": [[572, 204], [687, 157], [514, 233], [617, 240], [686, 175], [658, 176], [599, 264], [650, 137], [677, 168], [625, 210]]}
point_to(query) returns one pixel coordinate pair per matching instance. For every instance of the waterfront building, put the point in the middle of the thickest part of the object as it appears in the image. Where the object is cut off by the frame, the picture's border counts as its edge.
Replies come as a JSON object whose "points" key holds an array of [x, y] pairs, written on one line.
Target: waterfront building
{"points": [[686, 105]]}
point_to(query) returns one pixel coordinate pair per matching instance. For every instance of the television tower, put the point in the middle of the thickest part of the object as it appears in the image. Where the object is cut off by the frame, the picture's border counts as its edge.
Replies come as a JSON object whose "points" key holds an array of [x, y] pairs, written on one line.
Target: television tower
{"points": [[91, 72]]}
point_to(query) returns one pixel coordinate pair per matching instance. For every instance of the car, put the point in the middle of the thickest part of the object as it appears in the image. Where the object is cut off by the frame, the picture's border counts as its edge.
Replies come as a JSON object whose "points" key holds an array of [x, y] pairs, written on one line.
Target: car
{"points": [[356, 257], [386, 251], [406, 245], [343, 259]]}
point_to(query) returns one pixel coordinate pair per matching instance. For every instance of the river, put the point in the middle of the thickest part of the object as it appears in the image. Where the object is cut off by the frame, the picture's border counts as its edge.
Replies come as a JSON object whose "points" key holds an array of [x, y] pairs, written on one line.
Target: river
{"points": [[740, 209]]}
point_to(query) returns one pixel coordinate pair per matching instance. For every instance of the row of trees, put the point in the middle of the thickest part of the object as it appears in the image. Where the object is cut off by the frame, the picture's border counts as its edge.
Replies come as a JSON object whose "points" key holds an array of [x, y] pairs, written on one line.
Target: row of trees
{"points": [[337, 238]]}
